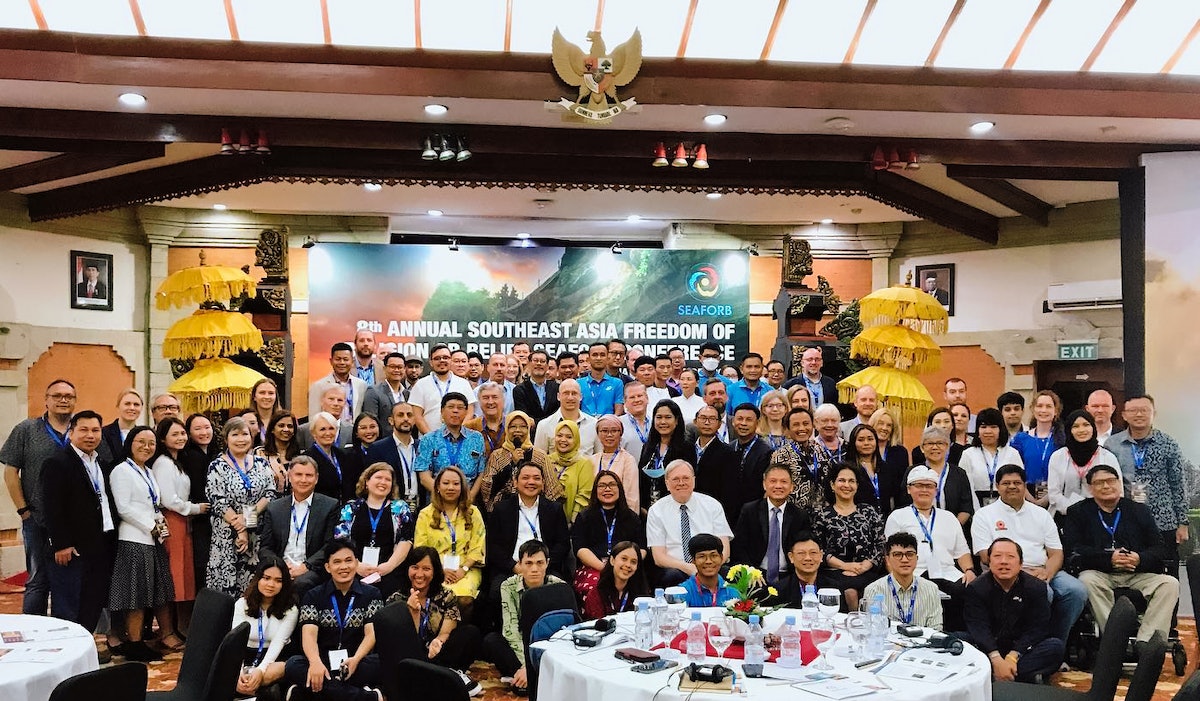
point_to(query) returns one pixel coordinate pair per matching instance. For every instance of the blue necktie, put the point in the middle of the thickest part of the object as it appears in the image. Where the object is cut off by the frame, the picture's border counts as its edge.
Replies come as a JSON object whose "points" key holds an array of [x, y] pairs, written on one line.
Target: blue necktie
{"points": [[685, 531], [773, 538]]}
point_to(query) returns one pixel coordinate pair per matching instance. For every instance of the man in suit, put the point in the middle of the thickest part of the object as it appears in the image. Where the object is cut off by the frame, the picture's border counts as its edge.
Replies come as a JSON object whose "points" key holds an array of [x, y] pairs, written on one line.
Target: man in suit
{"points": [[537, 395], [742, 479], [767, 527], [341, 362], [714, 457], [822, 387], [296, 526], [91, 287], [81, 520], [930, 285], [524, 516], [399, 450], [391, 390]]}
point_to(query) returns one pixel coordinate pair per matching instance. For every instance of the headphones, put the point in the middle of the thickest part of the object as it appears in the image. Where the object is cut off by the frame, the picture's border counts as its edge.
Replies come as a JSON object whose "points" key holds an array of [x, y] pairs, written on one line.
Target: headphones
{"points": [[713, 674], [605, 624], [945, 643]]}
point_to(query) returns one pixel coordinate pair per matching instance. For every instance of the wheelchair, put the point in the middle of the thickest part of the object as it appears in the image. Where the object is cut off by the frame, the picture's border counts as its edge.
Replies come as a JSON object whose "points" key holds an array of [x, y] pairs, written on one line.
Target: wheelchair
{"points": [[1084, 640]]}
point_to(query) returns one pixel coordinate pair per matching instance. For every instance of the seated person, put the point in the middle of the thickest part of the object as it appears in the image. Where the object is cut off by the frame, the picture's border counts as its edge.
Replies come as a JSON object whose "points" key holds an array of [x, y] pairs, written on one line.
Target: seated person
{"points": [[506, 649], [607, 520], [1113, 542], [707, 587], [851, 534], [380, 524], [337, 634], [519, 518], [621, 582], [453, 526], [805, 556], [269, 606], [296, 526], [906, 598], [765, 526], [1007, 613], [672, 520]]}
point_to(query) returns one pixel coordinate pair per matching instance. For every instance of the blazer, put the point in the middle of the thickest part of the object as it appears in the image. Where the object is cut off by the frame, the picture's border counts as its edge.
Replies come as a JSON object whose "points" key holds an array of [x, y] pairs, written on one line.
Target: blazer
{"points": [[110, 438], [502, 535], [718, 458], [101, 290], [378, 401], [742, 479], [525, 399], [277, 519], [385, 450], [828, 388], [750, 535], [70, 507], [328, 482]]}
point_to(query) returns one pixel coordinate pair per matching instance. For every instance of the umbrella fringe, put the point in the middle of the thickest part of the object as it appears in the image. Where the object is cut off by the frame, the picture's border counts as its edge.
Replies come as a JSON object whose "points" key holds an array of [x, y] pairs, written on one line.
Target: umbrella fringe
{"points": [[882, 317], [211, 347], [214, 400], [221, 291], [910, 360]]}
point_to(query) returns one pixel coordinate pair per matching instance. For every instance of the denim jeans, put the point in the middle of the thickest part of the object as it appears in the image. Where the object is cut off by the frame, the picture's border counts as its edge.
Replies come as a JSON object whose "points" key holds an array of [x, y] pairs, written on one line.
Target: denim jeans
{"points": [[38, 559], [1068, 596]]}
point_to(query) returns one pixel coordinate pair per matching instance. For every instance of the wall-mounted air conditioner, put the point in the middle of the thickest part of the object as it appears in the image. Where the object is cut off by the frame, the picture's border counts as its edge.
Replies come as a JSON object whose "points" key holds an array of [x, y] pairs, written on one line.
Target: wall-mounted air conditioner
{"points": [[1088, 294]]}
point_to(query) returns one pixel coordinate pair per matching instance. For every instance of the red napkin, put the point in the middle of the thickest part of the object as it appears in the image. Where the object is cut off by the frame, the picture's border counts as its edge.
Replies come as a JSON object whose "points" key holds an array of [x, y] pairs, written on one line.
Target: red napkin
{"points": [[737, 651]]}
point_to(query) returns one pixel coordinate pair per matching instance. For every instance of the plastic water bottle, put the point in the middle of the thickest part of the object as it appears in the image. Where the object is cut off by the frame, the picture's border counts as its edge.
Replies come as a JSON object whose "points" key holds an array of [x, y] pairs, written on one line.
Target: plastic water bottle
{"points": [[756, 652], [697, 639], [643, 626], [789, 644], [877, 629], [659, 607], [809, 608]]}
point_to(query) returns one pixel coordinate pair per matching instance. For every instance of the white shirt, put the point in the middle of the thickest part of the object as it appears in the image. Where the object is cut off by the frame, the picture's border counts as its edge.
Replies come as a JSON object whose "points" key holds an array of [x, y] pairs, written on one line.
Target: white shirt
{"points": [[91, 461], [771, 515], [275, 630], [977, 463], [1031, 527], [1065, 486], [631, 440], [705, 514], [1105, 436], [175, 485], [656, 395], [949, 543], [588, 443], [408, 456], [296, 551], [689, 406], [526, 515], [428, 391]]}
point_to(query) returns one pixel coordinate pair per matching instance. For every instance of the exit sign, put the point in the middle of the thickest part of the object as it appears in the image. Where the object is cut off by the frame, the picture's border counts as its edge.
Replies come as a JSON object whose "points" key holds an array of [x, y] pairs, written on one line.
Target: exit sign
{"points": [[1085, 350]]}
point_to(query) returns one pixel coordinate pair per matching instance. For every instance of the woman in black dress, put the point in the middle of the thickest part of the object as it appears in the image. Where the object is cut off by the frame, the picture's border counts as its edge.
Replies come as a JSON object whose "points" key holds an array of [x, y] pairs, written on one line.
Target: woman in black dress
{"points": [[664, 444], [607, 520], [851, 534]]}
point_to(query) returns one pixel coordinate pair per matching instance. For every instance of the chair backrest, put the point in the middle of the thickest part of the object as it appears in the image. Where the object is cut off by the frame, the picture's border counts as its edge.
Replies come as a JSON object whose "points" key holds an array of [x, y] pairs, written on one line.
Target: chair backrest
{"points": [[212, 616], [1106, 672], [395, 641], [124, 681], [556, 604], [227, 665], [1149, 667], [424, 680], [1190, 691]]}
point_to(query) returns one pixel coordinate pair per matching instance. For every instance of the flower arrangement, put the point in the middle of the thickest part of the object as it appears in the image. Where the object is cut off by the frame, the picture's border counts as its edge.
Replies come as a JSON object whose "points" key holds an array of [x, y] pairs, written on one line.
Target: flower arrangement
{"points": [[752, 590]]}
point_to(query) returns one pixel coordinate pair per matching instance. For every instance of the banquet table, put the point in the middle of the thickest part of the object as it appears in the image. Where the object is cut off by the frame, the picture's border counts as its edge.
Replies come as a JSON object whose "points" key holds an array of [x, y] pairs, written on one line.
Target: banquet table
{"points": [[51, 650], [566, 672]]}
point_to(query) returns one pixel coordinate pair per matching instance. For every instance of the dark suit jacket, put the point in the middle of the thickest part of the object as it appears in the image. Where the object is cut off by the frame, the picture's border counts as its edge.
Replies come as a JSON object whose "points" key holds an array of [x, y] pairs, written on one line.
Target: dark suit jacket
{"points": [[101, 290], [750, 535], [828, 388], [525, 399], [502, 535], [385, 450], [378, 402], [327, 477], [277, 519], [742, 480], [110, 439], [71, 509], [718, 458]]}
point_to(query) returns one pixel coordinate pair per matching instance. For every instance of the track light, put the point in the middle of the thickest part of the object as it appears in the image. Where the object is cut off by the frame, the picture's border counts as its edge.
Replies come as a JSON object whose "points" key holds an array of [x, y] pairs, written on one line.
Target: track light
{"points": [[660, 156], [446, 153], [680, 156], [227, 147], [616, 249], [752, 249], [701, 157], [453, 244], [878, 160], [463, 152], [913, 162], [427, 153], [309, 242]]}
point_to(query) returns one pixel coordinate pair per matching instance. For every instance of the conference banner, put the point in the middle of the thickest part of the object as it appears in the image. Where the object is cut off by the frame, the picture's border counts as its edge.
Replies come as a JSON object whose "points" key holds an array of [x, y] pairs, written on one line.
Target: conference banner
{"points": [[486, 298]]}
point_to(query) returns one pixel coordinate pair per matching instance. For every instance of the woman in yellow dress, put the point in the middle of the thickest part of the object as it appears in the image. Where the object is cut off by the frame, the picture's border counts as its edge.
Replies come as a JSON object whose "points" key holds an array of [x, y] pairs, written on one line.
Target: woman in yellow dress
{"points": [[454, 527], [570, 469]]}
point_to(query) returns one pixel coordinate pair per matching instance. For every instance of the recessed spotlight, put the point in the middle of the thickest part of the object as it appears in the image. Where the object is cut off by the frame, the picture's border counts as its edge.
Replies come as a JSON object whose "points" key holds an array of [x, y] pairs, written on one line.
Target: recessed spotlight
{"points": [[220, 207], [714, 120], [713, 196], [435, 212], [132, 99], [982, 127], [826, 221], [522, 234], [434, 110], [633, 218], [372, 187]]}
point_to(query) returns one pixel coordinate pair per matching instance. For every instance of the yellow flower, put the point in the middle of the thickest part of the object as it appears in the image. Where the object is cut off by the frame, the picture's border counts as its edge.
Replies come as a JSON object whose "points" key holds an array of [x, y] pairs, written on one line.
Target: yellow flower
{"points": [[772, 591]]}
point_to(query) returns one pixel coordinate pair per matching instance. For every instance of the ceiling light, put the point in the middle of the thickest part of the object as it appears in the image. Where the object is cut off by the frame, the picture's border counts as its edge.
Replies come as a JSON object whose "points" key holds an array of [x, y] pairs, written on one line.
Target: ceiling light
{"points": [[522, 234], [713, 196], [633, 218], [372, 187], [434, 110], [220, 207], [435, 212], [827, 221], [132, 99], [982, 127], [839, 124], [714, 120]]}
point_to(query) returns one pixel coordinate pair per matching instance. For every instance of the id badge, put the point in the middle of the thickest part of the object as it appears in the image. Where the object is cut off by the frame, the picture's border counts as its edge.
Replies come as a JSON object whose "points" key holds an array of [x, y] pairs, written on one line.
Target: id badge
{"points": [[1138, 492], [337, 658], [251, 516], [371, 556], [451, 562]]}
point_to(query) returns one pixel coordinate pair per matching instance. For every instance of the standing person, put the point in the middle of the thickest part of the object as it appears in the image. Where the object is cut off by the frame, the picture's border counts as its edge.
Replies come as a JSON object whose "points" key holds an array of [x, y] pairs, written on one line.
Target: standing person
{"points": [[743, 480], [380, 526], [366, 431], [269, 602], [953, 487], [536, 395], [453, 526], [614, 458], [569, 401], [879, 485], [962, 416], [663, 369], [622, 580], [710, 364], [475, 365], [429, 391], [175, 487], [954, 391], [77, 509], [678, 363], [414, 368], [264, 400], [129, 410], [941, 419], [664, 444], [714, 457], [803, 459], [828, 441], [568, 366], [635, 425], [280, 446], [1100, 406], [912, 602], [799, 397], [851, 534], [26, 449], [367, 366], [490, 422], [163, 406], [239, 487], [1039, 443], [452, 445], [689, 400], [602, 393], [333, 402], [500, 479], [1006, 613], [822, 387], [1012, 407], [399, 449], [1154, 465], [607, 520], [513, 370], [389, 391], [770, 422], [334, 478], [776, 374], [989, 451], [749, 389], [893, 456], [616, 360], [341, 363], [202, 448], [1070, 464], [141, 570], [296, 526], [497, 366], [571, 471], [866, 401], [671, 522]]}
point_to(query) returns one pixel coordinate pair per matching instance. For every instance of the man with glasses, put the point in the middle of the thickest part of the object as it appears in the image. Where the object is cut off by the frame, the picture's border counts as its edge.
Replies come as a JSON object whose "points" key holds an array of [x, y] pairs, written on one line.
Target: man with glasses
{"points": [[391, 391], [713, 456], [537, 395], [427, 393], [1114, 543], [906, 599], [616, 360], [1031, 527], [710, 364], [164, 406], [671, 523]]}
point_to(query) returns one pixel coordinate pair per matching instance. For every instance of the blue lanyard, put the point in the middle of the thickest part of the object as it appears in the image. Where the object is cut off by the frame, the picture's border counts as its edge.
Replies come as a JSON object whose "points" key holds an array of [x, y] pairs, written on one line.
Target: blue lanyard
{"points": [[532, 526], [927, 531], [642, 430], [1112, 532], [875, 483], [337, 466], [746, 453], [242, 473], [60, 439], [593, 385], [610, 527], [1138, 451], [700, 451], [441, 392], [991, 469], [95, 478], [775, 441], [906, 616], [337, 614], [723, 433], [262, 638], [423, 629], [829, 453], [142, 472], [817, 391], [622, 601], [299, 527], [375, 519], [941, 501], [612, 459], [456, 445], [454, 533], [499, 436]]}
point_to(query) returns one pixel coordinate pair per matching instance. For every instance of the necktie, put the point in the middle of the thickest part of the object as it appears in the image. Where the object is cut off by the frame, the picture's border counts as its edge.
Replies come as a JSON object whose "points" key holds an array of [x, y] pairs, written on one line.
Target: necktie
{"points": [[685, 531], [773, 539]]}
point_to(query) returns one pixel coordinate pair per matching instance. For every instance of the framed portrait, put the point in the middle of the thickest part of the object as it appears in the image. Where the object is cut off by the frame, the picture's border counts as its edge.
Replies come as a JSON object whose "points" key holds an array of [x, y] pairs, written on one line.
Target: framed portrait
{"points": [[938, 280], [91, 281]]}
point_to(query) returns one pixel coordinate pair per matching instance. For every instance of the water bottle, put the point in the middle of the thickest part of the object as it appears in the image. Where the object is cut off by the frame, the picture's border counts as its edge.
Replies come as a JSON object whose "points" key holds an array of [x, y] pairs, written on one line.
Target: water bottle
{"points": [[756, 652], [789, 644], [697, 640], [643, 626], [878, 628], [659, 607], [809, 608]]}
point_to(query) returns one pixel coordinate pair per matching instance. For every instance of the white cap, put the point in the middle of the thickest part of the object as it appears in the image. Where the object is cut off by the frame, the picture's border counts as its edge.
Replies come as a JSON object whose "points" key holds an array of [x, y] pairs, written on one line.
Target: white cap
{"points": [[920, 473]]}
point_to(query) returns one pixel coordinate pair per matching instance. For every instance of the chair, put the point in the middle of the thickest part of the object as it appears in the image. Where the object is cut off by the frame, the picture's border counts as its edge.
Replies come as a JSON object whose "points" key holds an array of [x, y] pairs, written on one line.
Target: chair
{"points": [[212, 617], [1190, 691], [124, 681], [544, 611], [1151, 658], [424, 680], [396, 642], [1122, 623]]}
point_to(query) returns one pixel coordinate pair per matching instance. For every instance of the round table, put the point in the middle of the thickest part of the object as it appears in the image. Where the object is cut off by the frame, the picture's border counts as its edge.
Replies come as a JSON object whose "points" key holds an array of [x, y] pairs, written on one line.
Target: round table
{"points": [[67, 647], [593, 673]]}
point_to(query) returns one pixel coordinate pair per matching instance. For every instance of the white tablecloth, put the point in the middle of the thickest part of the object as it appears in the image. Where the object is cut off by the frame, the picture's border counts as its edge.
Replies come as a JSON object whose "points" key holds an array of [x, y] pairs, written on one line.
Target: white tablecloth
{"points": [[33, 681], [567, 673]]}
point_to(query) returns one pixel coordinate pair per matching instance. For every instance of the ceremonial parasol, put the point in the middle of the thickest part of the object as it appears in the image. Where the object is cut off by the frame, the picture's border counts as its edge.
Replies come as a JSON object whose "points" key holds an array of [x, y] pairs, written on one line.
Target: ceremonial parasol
{"points": [[898, 346], [894, 388], [214, 384], [211, 333], [903, 304], [203, 283]]}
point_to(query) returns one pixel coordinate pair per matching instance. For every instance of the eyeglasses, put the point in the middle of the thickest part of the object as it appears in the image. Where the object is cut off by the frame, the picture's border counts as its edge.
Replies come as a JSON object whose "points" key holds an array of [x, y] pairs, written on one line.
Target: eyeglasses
{"points": [[165, 407], [61, 397], [605, 487], [1139, 411], [936, 444], [903, 554], [700, 417]]}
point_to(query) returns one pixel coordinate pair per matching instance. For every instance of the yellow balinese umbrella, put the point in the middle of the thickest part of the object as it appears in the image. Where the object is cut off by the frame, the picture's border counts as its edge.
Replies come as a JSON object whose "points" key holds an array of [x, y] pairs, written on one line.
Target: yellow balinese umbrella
{"points": [[903, 304], [897, 346], [895, 388], [210, 333], [214, 384], [203, 283]]}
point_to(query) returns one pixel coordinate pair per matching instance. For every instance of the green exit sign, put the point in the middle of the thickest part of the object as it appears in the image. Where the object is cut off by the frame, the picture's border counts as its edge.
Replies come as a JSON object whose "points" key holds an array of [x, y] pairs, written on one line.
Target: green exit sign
{"points": [[1086, 350]]}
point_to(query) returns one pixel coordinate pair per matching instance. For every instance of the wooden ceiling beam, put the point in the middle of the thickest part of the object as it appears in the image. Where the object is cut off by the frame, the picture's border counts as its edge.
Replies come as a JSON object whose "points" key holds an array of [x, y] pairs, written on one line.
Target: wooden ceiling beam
{"points": [[927, 203], [69, 165], [1035, 172], [1108, 33], [1011, 196]]}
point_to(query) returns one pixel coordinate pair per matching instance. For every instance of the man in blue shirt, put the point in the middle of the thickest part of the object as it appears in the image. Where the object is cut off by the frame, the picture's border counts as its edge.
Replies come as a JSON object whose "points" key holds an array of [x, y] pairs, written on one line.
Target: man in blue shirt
{"points": [[602, 393], [710, 364], [707, 587], [451, 444], [748, 389]]}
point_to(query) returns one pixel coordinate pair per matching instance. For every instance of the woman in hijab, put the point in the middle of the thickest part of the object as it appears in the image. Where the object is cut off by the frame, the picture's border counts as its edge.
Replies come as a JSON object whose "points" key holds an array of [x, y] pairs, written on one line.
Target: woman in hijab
{"points": [[1069, 465], [498, 480], [569, 469]]}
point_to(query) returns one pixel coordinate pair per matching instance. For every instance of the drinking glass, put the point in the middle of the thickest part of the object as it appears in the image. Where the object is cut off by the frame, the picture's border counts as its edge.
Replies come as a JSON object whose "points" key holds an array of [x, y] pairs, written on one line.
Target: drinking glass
{"points": [[829, 601], [823, 636], [857, 625], [667, 625], [720, 634]]}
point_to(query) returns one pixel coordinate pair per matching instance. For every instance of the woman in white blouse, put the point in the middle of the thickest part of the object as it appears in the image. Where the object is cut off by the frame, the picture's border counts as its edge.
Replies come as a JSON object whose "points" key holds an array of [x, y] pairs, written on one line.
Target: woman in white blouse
{"points": [[269, 607], [989, 452], [1070, 464], [689, 401], [175, 486]]}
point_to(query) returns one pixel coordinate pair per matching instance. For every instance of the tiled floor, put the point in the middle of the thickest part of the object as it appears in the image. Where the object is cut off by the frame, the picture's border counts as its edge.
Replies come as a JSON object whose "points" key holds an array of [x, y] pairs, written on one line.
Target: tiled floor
{"points": [[162, 675]]}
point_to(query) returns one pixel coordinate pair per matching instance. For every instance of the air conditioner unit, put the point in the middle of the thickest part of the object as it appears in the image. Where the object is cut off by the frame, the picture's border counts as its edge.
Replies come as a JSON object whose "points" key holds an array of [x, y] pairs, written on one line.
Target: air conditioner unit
{"points": [[1088, 294]]}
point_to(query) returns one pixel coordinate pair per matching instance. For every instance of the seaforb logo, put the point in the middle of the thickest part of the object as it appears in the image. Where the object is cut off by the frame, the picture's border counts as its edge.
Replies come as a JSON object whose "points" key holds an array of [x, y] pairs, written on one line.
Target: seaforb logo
{"points": [[703, 281]]}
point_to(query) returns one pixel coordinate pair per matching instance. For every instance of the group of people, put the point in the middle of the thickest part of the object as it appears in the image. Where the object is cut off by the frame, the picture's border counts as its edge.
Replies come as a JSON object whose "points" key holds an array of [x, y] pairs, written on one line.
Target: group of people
{"points": [[426, 504]]}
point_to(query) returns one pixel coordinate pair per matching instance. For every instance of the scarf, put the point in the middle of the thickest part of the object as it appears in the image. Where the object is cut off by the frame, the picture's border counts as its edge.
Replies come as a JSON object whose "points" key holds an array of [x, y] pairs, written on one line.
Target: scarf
{"points": [[1081, 453]]}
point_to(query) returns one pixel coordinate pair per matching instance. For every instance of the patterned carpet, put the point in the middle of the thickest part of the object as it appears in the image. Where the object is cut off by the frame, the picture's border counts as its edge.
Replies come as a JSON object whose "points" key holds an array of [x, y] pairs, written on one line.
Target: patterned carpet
{"points": [[162, 675]]}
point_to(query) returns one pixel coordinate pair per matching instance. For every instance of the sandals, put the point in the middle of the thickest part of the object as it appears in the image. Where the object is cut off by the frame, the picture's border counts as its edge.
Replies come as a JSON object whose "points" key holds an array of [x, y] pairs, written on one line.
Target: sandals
{"points": [[179, 644]]}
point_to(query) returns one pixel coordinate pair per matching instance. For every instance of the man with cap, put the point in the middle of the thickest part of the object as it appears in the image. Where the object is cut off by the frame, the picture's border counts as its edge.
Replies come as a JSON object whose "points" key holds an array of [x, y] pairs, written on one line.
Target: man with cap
{"points": [[1114, 543], [707, 587], [942, 552]]}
